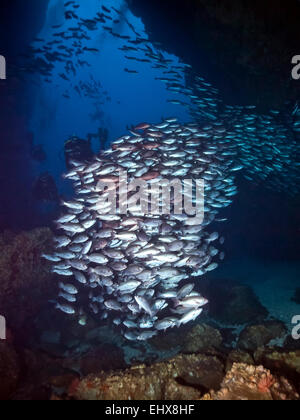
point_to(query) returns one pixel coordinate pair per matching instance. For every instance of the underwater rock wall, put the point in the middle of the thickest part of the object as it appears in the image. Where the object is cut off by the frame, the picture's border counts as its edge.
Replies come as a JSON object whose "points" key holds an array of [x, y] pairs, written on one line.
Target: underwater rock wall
{"points": [[248, 44], [18, 27], [20, 22], [25, 283]]}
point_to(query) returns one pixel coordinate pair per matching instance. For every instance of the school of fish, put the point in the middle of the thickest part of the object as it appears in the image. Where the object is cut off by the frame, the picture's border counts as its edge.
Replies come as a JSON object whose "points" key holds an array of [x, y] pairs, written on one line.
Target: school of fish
{"points": [[136, 268]]}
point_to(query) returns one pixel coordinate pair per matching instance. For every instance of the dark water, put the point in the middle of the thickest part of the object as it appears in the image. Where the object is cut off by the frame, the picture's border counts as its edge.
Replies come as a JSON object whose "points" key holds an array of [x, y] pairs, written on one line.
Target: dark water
{"points": [[45, 103]]}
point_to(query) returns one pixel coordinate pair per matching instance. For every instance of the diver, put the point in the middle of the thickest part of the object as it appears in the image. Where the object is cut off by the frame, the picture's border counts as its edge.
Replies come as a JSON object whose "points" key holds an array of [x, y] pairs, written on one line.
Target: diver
{"points": [[101, 136], [77, 149], [45, 189]]}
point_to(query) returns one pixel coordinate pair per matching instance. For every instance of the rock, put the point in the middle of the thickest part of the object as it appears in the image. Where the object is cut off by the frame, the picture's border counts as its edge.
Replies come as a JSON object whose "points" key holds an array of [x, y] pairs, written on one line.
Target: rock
{"points": [[102, 358], [255, 336], [235, 40], [40, 374], [9, 370], [237, 356], [169, 340], [230, 336], [296, 297], [201, 338], [26, 283], [56, 333], [160, 381], [242, 305], [284, 362], [251, 383], [291, 344], [175, 391], [52, 337]]}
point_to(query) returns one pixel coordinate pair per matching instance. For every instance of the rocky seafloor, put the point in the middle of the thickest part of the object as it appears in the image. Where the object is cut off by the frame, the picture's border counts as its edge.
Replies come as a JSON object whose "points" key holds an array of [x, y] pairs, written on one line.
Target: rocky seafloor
{"points": [[235, 351]]}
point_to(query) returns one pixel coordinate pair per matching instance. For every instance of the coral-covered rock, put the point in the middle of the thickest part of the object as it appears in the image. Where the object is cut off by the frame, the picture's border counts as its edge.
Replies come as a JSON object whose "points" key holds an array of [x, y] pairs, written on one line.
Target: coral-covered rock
{"points": [[201, 338], [157, 382], [244, 382], [9, 370], [174, 391], [288, 362], [255, 336]]}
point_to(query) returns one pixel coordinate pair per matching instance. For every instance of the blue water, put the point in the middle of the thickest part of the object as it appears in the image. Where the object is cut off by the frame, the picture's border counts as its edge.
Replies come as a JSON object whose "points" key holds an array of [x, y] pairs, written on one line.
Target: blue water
{"points": [[134, 97]]}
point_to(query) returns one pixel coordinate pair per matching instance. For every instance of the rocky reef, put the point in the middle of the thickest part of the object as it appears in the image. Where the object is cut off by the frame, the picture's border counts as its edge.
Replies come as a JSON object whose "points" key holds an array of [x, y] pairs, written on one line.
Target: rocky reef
{"points": [[185, 378], [251, 383], [177, 378]]}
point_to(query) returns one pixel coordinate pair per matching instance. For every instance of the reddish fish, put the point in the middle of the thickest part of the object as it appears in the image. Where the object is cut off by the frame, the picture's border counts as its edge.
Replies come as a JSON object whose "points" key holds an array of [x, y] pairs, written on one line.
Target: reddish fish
{"points": [[150, 175], [150, 146], [156, 134], [142, 126]]}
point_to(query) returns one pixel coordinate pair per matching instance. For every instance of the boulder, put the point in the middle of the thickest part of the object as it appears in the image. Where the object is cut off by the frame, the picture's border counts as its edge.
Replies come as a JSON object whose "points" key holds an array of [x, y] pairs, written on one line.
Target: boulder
{"points": [[255, 336], [252, 383], [202, 338]]}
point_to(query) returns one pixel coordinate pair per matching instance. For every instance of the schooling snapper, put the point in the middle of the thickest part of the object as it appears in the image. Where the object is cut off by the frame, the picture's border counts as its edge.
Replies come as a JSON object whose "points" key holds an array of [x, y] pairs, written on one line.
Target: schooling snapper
{"points": [[134, 262]]}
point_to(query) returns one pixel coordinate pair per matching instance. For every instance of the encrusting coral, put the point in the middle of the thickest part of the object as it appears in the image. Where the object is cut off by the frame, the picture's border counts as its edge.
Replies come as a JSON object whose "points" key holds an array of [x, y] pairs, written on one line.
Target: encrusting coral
{"points": [[244, 382], [182, 378]]}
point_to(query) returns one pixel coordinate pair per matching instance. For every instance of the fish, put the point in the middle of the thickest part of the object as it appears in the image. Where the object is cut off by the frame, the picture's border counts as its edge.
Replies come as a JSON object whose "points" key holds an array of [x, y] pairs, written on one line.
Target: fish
{"points": [[192, 302], [145, 336], [66, 296], [67, 309], [112, 305], [165, 324], [52, 258], [185, 290], [68, 288], [80, 277], [131, 71], [65, 273], [144, 304], [190, 316], [98, 258]]}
